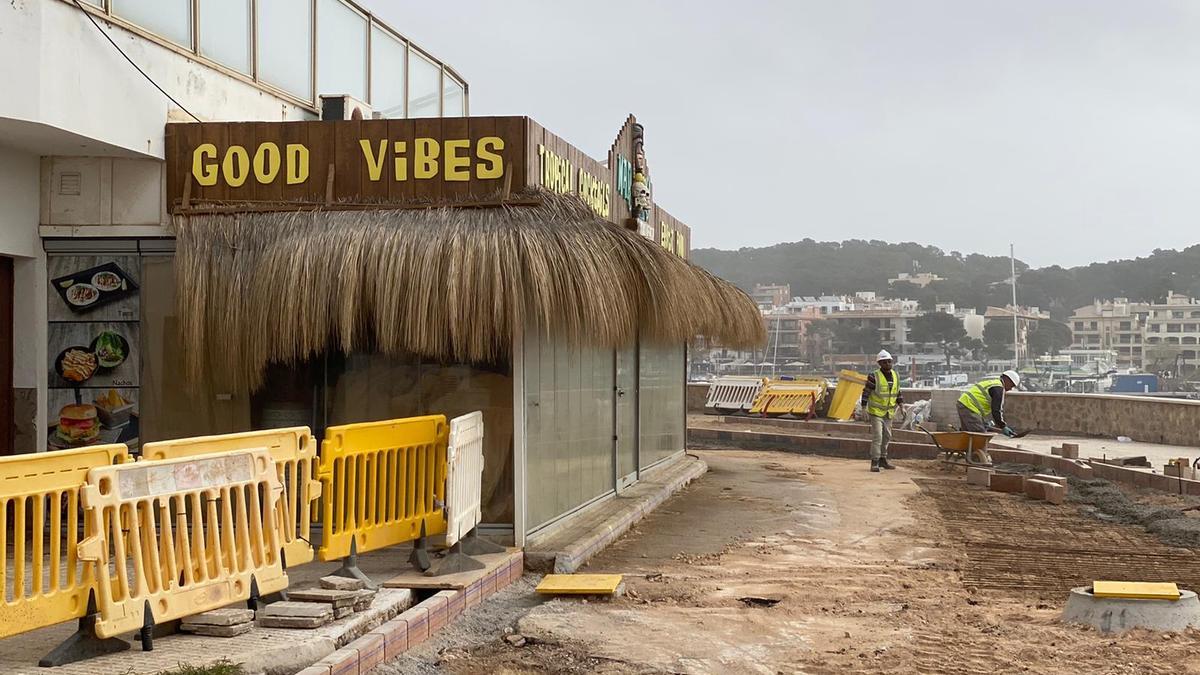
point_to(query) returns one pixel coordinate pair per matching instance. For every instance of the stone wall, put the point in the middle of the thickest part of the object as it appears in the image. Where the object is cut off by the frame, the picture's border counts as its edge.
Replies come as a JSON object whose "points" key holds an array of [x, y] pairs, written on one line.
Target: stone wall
{"points": [[1150, 420]]}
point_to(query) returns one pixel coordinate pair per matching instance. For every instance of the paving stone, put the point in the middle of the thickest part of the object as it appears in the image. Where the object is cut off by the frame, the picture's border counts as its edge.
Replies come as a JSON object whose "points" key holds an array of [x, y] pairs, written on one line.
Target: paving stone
{"points": [[294, 621], [342, 612], [216, 631], [363, 602], [227, 616], [1036, 489], [342, 584], [1060, 480], [1056, 494], [325, 595], [1007, 482], [977, 475], [295, 615]]}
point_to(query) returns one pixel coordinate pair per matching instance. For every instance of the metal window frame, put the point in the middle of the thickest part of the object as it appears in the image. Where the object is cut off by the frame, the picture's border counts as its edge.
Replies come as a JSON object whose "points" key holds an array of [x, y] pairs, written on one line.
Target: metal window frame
{"points": [[192, 51]]}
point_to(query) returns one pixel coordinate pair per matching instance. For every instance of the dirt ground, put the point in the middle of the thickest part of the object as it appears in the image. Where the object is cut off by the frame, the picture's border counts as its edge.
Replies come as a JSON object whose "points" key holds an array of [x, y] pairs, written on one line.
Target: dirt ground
{"points": [[778, 563]]}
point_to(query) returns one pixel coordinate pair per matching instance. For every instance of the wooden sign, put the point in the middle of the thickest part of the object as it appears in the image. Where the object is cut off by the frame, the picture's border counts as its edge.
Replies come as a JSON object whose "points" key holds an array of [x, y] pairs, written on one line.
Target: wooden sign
{"points": [[272, 166]]}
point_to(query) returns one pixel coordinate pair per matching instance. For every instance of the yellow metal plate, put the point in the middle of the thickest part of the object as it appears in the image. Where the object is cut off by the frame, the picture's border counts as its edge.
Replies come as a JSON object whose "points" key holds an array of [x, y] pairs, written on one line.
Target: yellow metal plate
{"points": [[579, 584], [1135, 589]]}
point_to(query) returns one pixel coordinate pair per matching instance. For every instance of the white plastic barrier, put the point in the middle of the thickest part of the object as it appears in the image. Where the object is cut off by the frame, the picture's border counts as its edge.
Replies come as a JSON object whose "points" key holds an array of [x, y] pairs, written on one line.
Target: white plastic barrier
{"points": [[464, 476], [733, 393]]}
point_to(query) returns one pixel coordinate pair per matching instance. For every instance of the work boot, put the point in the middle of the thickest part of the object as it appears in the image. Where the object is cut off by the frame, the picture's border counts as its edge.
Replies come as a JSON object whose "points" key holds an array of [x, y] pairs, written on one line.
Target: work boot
{"points": [[875, 465], [883, 463]]}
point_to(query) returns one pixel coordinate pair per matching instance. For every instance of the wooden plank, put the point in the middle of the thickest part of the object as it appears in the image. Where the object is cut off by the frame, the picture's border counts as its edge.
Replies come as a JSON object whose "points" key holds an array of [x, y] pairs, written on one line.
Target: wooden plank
{"points": [[375, 132], [516, 152], [580, 584], [218, 135], [426, 189], [171, 150], [477, 128], [402, 191], [456, 129], [1138, 590], [240, 163], [347, 158], [288, 134], [320, 157], [412, 578]]}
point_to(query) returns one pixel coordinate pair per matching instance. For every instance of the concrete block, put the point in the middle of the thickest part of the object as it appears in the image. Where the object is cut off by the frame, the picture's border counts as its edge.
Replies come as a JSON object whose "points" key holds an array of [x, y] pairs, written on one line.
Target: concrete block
{"points": [[326, 595], [978, 475], [342, 662], [1061, 480], [315, 669], [217, 631], [1056, 450], [473, 593], [342, 584], [1007, 482], [1036, 489], [227, 616], [371, 651], [437, 612], [416, 621], [489, 580], [455, 603], [1055, 493], [1070, 451]]}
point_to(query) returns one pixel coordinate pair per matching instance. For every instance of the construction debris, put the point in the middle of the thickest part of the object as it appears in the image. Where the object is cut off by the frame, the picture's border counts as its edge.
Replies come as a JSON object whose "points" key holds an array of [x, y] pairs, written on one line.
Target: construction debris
{"points": [[581, 584], [227, 622], [338, 599], [342, 583], [295, 615]]}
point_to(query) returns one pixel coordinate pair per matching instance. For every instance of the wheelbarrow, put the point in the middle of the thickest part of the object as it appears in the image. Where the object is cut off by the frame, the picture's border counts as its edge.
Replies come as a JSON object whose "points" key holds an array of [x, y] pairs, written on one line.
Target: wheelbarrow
{"points": [[963, 448]]}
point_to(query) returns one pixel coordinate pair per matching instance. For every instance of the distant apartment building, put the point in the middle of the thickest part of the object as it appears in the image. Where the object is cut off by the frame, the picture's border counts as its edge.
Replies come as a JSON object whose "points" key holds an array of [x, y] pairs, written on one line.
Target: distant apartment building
{"points": [[1115, 325], [890, 318], [1027, 319], [823, 304], [921, 279], [1172, 333], [769, 296]]}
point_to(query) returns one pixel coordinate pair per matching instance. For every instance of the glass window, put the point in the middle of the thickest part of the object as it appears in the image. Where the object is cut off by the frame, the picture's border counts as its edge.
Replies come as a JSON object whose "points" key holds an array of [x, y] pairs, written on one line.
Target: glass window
{"points": [[171, 19], [424, 84], [454, 100], [341, 50], [387, 73], [285, 45], [225, 32]]}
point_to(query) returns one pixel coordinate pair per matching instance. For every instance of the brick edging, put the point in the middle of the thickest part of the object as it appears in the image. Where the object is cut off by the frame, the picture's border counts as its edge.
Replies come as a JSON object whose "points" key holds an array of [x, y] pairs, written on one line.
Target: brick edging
{"points": [[808, 444], [415, 625]]}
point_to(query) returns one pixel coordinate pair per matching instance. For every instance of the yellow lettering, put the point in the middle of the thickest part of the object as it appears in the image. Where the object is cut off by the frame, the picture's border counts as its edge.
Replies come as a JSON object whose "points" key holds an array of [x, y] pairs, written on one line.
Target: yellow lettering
{"points": [[457, 167], [297, 163], [266, 163], [236, 165], [400, 163], [374, 163], [491, 163], [425, 163], [204, 164]]}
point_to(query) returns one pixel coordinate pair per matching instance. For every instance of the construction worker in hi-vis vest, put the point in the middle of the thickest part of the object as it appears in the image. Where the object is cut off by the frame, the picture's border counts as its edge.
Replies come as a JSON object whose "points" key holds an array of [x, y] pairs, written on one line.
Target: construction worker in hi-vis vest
{"points": [[881, 397], [985, 399]]}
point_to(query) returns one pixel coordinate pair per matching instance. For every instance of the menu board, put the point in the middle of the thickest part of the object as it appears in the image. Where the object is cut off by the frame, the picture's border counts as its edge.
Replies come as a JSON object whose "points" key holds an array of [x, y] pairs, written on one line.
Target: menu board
{"points": [[94, 351]]}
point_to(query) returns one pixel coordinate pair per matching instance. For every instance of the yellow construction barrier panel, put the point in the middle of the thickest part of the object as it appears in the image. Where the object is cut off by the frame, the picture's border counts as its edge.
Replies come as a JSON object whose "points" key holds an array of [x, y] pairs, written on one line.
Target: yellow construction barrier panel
{"points": [[1139, 590], [789, 397], [381, 482], [41, 577], [177, 537], [847, 395], [294, 451]]}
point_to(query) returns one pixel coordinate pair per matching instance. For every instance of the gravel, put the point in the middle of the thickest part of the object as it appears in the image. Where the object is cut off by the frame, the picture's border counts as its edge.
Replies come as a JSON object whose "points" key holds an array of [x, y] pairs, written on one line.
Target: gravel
{"points": [[1172, 526]]}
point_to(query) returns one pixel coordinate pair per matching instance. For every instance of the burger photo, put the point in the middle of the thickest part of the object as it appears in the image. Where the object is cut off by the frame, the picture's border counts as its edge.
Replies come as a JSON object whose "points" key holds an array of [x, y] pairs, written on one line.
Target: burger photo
{"points": [[78, 425]]}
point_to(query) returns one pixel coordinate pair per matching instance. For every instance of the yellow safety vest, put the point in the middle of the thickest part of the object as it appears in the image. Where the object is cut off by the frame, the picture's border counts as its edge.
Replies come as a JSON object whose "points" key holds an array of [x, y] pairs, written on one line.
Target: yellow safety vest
{"points": [[976, 398], [882, 401]]}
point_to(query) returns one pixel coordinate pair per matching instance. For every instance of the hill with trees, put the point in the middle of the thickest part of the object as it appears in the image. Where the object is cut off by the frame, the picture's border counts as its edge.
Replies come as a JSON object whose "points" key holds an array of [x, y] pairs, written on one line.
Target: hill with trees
{"points": [[969, 280]]}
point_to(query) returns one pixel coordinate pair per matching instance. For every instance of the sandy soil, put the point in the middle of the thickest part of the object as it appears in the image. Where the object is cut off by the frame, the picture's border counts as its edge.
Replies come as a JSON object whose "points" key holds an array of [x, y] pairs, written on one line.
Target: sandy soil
{"points": [[777, 563]]}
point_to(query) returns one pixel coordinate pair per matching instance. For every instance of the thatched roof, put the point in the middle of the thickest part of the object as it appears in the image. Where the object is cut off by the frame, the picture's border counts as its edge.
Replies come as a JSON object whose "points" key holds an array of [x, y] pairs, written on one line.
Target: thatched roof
{"points": [[446, 283]]}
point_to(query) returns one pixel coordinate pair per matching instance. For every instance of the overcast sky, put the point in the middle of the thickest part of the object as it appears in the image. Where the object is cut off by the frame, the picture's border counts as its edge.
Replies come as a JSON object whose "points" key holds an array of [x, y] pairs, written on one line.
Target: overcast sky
{"points": [[1071, 128]]}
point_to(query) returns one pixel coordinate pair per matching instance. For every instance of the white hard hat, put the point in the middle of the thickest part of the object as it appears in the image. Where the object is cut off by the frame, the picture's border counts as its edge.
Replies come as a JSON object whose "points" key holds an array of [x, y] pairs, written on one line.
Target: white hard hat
{"points": [[1013, 377], [884, 356]]}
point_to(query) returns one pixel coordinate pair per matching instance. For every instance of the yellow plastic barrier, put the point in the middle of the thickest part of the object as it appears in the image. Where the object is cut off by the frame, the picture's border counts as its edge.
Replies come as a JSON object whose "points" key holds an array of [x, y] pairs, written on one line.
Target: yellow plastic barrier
{"points": [[381, 482], [789, 397], [181, 536], [41, 578], [295, 453], [847, 395]]}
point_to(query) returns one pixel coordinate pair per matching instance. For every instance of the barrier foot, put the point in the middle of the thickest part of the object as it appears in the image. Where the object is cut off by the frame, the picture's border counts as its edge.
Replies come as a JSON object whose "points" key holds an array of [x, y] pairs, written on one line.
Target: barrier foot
{"points": [[420, 552], [350, 570], [83, 643], [473, 545], [455, 561], [146, 634], [278, 596]]}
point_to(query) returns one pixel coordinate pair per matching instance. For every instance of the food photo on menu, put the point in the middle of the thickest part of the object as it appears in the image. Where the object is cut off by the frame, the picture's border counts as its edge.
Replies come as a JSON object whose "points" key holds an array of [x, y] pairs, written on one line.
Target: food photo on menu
{"points": [[93, 288], [93, 354], [95, 417]]}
